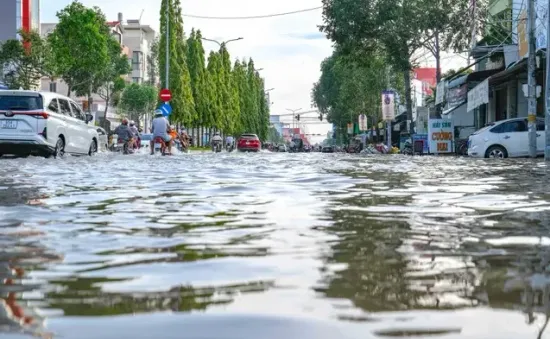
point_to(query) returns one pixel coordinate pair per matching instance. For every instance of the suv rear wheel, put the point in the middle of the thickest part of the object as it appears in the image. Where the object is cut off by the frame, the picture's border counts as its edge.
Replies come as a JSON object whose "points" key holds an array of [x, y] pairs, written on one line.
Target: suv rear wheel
{"points": [[93, 148]]}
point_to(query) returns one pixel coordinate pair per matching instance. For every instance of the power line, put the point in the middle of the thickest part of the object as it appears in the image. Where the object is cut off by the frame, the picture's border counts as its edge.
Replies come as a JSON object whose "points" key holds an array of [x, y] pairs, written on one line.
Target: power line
{"points": [[250, 17]]}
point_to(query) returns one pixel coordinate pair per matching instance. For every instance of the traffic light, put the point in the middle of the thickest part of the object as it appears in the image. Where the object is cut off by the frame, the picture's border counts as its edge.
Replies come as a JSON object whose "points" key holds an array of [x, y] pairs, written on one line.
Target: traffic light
{"points": [[298, 117]]}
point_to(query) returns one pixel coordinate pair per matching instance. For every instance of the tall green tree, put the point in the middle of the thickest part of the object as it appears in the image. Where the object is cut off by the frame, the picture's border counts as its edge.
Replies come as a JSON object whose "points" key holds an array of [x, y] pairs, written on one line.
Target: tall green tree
{"points": [[229, 93], [182, 101], [197, 71], [80, 45], [214, 82], [153, 63], [263, 109], [241, 86], [253, 94], [25, 61]]}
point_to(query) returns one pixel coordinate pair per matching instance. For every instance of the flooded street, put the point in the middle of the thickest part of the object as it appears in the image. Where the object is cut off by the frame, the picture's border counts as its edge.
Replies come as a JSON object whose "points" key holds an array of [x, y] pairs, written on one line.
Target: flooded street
{"points": [[274, 245]]}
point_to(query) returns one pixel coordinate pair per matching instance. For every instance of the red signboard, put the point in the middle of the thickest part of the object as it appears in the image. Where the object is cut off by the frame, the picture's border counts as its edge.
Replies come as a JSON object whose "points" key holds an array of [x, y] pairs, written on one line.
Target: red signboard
{"points": [[165, 95]]}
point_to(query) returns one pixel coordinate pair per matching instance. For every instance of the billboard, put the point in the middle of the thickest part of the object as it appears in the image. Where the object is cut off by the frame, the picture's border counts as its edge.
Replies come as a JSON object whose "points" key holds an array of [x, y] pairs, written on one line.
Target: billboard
{"points": [[388, 105]]}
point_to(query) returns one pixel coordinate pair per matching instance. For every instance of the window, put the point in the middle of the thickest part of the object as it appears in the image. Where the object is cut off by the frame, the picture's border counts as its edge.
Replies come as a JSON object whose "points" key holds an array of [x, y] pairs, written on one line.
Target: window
{"points": [[20, 103], [511, 127], [540, 125], [53, 87], [136, 80], [136, 67], [64, 107], [77, 112], [137, 57], [54, 106]]}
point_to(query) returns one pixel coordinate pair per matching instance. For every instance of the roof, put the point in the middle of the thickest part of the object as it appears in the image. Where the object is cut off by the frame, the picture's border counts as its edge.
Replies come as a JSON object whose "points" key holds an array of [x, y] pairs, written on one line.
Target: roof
{"points": [[113, 23]]}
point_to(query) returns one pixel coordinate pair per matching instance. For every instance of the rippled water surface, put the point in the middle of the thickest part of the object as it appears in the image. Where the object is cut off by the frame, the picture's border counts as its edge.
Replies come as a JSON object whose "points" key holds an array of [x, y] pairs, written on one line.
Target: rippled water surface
{"points": [[274, 246]]}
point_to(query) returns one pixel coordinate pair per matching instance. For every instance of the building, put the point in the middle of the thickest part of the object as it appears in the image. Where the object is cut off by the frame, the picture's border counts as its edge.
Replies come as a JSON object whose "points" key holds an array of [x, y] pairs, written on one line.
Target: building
{"points": [[139, 40], [16, 15], [275, 122]]}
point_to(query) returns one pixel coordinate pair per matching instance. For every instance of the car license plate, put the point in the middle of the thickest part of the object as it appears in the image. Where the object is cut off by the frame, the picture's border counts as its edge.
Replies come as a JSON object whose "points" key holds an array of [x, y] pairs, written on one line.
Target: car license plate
{"points": [[8, 124], [248, 142]]}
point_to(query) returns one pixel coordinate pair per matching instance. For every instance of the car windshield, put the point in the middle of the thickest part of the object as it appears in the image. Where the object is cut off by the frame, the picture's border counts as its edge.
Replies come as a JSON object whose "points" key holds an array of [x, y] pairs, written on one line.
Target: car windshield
{"points": [[249, 136], [20, 103]]}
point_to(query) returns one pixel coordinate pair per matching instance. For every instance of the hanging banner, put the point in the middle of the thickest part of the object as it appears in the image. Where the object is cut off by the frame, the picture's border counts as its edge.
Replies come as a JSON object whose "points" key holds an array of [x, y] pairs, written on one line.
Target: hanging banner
{"points": [[350, 128], [441, 136], [388, 105], [440, 93], [363, 122], [479, 95]]}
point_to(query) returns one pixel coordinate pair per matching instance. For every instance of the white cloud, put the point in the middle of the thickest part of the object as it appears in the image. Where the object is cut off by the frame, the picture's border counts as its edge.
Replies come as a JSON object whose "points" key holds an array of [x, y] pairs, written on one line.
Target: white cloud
{"points": [[283, 46]]}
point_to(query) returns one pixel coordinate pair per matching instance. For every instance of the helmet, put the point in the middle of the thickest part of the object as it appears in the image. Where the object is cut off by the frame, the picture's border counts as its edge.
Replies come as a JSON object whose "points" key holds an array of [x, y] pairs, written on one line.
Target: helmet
{"points": [[173, 127], [158, 112], [217, 133], [132, 123], [125, 121]]}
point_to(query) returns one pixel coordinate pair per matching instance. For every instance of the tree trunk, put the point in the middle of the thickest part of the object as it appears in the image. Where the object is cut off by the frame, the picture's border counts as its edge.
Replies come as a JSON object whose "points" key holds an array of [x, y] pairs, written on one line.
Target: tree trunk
{"points": [[69, 91], [105, 121], [408, 98]]}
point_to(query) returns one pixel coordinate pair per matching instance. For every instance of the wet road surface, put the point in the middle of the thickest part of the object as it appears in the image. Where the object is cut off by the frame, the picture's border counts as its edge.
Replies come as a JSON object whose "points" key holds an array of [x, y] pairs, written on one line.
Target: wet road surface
{"points": [[274, 246]]}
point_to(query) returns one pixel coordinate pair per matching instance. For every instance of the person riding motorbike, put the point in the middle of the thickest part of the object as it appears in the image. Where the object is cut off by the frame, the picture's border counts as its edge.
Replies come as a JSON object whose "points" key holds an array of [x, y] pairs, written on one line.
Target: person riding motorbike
{"points": [[124, 132], [184, 137], [160, 128], [216, 138], [229, 142], [136, 133]]}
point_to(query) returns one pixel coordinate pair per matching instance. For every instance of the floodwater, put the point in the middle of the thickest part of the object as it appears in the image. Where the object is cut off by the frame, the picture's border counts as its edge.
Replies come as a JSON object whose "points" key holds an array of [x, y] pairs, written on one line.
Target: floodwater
{"points": [[247, 246]]}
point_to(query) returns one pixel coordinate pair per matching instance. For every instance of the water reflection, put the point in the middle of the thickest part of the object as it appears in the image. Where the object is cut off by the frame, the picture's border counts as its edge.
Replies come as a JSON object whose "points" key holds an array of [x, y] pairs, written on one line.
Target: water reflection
{"points": [[376, 246]]}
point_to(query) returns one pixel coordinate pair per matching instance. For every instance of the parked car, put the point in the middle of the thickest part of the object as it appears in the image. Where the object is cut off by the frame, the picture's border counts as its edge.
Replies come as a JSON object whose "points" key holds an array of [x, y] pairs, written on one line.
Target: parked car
{"points": [[506, 138], [44, 123], [249, 143], [103, 139], [327, 149]]}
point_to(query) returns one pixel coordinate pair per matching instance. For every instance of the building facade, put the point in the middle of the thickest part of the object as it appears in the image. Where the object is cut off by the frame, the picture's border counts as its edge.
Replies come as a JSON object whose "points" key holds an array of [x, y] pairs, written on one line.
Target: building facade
{"points": [[16, 15], [139, 40]]}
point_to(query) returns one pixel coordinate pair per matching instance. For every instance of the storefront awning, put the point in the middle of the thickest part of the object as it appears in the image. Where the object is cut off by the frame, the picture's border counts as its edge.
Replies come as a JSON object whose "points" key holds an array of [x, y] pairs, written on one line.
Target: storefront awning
{"points": [[514, 69], [450, 110], [478, 96]]}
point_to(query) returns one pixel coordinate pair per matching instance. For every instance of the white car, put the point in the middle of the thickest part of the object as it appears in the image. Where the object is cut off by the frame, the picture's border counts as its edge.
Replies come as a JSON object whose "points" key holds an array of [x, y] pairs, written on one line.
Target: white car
{"points": [[44, 123], [506, 138]]}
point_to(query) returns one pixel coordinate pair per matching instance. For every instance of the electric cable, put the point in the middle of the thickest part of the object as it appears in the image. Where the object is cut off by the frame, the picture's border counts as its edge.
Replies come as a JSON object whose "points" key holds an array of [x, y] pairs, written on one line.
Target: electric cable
{"points": [[250, 17]]}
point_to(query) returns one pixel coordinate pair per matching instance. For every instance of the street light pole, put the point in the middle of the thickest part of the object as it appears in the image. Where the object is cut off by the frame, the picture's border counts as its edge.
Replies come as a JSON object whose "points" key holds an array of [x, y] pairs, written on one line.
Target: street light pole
{"points": [[293, 115], [531, 80], [223, 43], [167, 78]]}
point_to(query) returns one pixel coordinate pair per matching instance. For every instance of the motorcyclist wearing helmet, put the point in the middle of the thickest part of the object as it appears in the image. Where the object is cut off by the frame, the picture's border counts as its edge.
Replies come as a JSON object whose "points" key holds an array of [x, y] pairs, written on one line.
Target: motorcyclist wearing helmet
{"points": [[216, 137], [124, 132], [160, 128]]}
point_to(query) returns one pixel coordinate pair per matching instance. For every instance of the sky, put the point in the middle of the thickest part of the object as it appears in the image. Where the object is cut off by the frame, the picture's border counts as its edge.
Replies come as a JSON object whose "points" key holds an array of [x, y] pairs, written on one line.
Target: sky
{"points": [[289, 48]]}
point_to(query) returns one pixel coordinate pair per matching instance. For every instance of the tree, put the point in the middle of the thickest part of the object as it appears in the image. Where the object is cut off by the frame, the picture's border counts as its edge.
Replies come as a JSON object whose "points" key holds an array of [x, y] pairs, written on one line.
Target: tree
{"points": [[180, 81], [396, 26], [109, 82], [241, 86], [263, 109], [229, 93], [80, 45], [137, 100], [25, 61], [252, 97], [214, 82], [152, 63], [197, 71]]}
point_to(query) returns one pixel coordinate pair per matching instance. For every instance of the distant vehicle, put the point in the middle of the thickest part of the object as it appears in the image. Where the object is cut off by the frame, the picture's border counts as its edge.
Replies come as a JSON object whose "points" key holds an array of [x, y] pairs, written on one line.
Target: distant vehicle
{"points": [[282, 148], [327, 149], [146, 141], [44, 123], [103, 139], [249, 143], [506, 138]]}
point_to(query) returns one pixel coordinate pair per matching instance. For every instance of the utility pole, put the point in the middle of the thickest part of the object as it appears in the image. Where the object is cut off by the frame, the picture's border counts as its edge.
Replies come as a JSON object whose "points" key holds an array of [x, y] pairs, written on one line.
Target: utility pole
{"points": [[547, 90], [167, 78], [388, 122], [532, 82], [293, 116]]}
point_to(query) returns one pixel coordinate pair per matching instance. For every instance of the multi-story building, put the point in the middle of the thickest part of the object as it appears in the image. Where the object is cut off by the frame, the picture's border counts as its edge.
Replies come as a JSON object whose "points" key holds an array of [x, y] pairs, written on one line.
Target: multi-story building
{"points": [[139, 39], [16, 15]]}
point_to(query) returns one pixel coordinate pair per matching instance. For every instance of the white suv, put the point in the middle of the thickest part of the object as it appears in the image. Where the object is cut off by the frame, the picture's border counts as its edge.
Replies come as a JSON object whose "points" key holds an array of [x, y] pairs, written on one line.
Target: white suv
{"points": [[44, 123]]}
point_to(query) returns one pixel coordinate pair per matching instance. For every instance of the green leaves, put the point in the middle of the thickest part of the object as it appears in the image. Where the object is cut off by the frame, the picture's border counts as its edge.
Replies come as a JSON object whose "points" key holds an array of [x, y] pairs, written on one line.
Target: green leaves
{"points": [[137, 100], [25, 61]]}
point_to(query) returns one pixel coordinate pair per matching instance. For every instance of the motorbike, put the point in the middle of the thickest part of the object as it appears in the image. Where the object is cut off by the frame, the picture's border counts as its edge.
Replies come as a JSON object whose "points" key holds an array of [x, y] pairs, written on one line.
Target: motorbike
{"points": [[229, 147], [124, 146], [216, 146], [407, 148], [159, 146]]}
